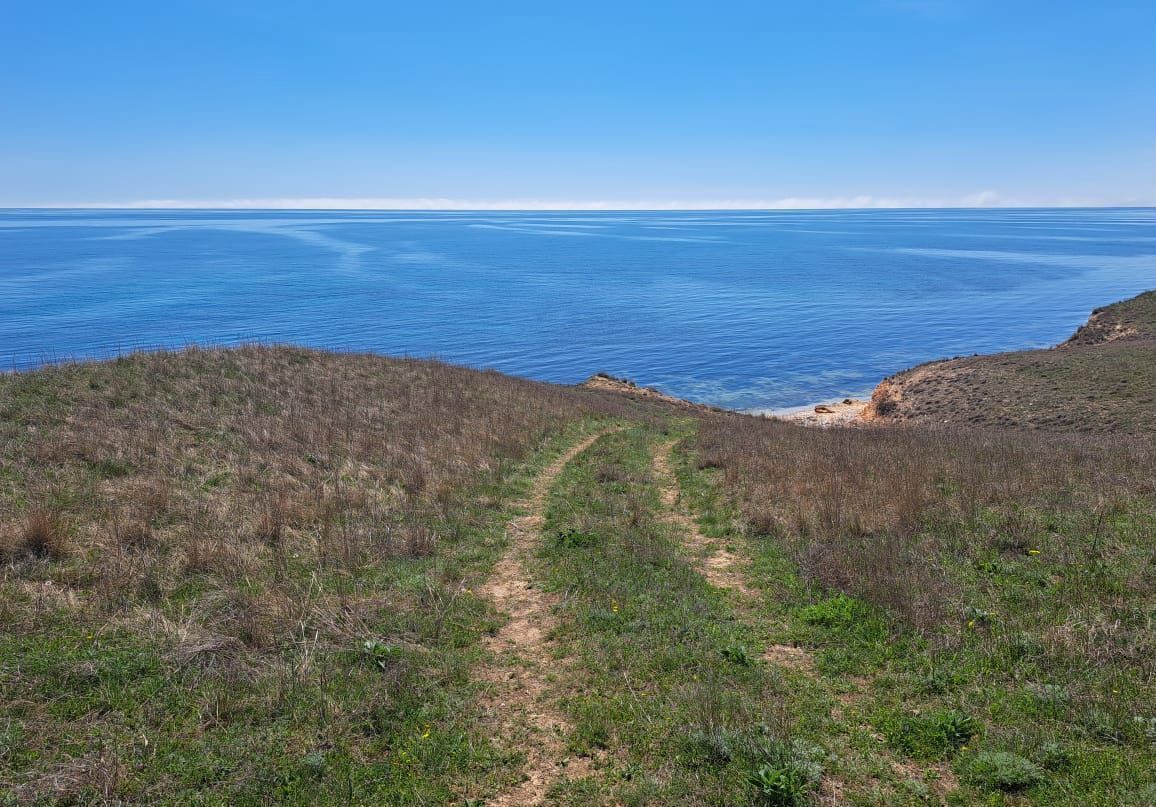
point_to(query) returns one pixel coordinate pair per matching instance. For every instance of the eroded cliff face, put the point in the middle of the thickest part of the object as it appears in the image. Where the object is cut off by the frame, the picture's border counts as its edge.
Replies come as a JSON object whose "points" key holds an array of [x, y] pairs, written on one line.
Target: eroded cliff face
{"points": [[890, 399], [884, 401], [1126, 320], [1101, 328]]}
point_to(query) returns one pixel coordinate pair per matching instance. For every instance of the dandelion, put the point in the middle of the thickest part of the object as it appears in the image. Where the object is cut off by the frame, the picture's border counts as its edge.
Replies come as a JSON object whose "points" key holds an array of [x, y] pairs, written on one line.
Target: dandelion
{"points": [[1033, 551]]}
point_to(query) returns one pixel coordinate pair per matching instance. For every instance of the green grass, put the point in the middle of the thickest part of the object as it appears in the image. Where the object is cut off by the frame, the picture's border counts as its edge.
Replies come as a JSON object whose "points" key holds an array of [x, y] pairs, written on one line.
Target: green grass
{"points": [[236, 577], [99, 710], [1045, 655], [670, 696], [243, 577]]}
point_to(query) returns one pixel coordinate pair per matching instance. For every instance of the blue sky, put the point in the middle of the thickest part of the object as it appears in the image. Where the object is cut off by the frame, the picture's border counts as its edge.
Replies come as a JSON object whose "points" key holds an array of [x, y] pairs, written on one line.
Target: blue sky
{"points": [[591, 104]]}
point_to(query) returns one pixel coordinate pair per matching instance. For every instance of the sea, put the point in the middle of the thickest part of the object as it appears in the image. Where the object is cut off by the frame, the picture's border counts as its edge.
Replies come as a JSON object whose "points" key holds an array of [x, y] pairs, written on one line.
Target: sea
{"points": [[749, 310]]}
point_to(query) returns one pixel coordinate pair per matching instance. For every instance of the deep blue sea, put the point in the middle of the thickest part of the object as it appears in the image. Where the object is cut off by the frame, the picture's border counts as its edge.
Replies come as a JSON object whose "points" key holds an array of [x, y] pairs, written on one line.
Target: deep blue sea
{"points": [[740, 309]]}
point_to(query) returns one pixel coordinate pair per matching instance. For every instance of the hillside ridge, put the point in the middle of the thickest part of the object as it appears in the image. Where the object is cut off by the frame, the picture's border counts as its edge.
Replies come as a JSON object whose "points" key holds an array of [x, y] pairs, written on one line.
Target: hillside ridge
{"points": [[1101, 379]]}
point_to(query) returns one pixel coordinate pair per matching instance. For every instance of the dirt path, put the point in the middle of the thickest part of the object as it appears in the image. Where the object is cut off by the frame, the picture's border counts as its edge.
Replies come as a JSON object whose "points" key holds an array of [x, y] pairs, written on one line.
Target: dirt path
{"points": [[520, 705], [721, 568], [717, 563]]}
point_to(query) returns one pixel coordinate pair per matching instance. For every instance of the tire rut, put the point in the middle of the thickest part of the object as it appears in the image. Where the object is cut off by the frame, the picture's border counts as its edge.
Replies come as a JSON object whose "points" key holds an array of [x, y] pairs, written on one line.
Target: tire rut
{"points": [[720, 567], [715, 562], [522, 704]]}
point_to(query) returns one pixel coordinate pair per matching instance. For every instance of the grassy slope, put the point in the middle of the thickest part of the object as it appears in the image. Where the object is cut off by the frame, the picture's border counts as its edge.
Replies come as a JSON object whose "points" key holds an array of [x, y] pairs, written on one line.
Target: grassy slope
{"points": [[962, 594], [247, 576], [1102, 380], [235, 576]]}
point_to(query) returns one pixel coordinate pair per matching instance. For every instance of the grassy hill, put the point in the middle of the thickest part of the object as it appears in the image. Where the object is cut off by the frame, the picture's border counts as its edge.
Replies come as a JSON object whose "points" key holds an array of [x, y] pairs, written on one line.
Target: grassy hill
{"points": [[233, 576], [1102, 380], [274, 575]]}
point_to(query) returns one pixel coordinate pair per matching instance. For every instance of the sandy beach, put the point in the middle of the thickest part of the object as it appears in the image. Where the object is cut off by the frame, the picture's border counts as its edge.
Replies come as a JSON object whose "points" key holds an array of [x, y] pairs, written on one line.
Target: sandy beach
{"points": [[828, 413]]}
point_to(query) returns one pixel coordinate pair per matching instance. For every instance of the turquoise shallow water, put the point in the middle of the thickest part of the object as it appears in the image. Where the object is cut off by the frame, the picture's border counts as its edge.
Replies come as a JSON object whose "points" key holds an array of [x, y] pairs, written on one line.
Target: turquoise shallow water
{"points": [[739, 309]]}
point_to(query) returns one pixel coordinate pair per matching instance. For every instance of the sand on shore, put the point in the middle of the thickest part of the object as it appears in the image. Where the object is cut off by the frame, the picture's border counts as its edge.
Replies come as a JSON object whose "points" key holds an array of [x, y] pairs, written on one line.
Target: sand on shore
{"points": [[843, 412], [830, 413]]}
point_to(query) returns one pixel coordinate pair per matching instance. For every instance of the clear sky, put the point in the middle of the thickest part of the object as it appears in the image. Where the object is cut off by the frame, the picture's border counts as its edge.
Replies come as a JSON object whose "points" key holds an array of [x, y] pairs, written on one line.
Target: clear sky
{"points": [[593, 103]]}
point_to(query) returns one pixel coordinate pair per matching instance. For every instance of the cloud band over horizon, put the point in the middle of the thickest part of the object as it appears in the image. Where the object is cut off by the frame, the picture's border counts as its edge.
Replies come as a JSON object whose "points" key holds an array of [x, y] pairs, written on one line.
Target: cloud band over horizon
{"points": [[983, 199]]}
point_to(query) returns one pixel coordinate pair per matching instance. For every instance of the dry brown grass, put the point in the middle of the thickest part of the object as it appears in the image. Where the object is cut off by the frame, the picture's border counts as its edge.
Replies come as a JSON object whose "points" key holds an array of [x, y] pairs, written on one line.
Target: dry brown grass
{"points": [[41, 534], [1002, 577], [247, 520], [228, 464], [874, 511]]}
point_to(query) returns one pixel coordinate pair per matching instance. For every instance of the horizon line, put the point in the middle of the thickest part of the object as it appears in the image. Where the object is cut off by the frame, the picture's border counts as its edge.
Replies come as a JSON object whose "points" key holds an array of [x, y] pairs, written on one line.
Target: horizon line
{"points": [[985, 199], [576, 208], [897, 209]]}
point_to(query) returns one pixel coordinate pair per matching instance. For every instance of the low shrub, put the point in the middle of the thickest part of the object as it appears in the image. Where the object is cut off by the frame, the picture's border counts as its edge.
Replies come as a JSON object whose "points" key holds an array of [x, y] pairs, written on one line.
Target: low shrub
{"points": [[1000, 770], [1053, 756], [933, 735], [838, 611], [780, 786], [738, 654], [44, 536], [788, 775]]}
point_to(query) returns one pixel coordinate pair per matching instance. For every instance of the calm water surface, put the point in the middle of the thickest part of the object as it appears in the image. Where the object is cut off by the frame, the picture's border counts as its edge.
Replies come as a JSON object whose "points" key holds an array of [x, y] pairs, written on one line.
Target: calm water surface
{"points": [[739, 309]]}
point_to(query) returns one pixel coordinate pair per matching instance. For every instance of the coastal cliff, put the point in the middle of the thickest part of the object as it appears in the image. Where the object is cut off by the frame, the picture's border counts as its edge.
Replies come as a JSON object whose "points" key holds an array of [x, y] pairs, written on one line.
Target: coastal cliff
{"points": [[1102, 379]]}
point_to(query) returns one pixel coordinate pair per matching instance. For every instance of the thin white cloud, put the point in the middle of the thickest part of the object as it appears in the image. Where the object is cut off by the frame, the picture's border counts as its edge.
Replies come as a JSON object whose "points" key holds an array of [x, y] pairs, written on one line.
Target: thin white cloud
{"points": [[986, 198]]}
